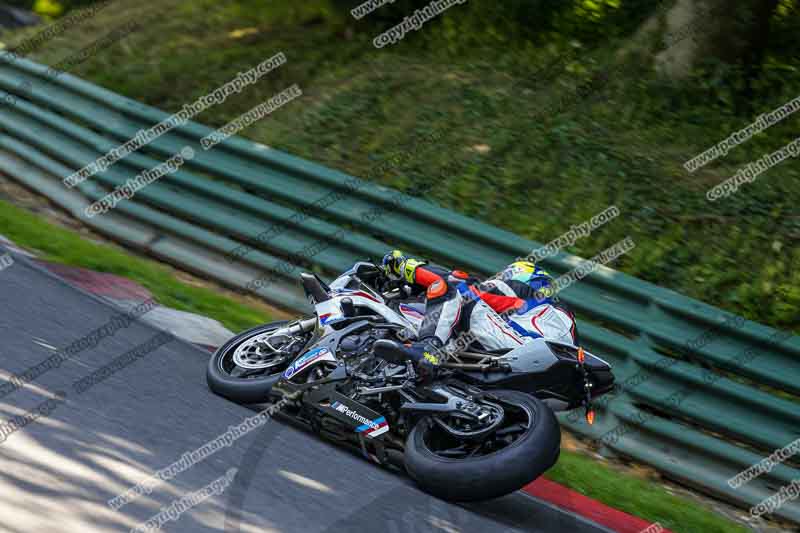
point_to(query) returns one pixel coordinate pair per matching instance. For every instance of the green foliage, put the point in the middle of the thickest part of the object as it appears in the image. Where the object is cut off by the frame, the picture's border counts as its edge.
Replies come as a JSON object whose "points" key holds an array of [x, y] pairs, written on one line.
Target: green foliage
{"points": [[540, 135], [784, 40], [512, 22]]}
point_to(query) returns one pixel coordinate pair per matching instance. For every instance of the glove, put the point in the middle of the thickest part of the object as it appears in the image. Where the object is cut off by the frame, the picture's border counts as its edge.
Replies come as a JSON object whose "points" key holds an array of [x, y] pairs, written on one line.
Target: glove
{"points": [[392, 264]]}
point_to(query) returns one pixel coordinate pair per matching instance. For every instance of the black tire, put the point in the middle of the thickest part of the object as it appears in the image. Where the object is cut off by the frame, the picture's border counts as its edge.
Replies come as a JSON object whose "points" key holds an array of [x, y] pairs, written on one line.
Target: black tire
{"points": [[253, 390], [494, 475]]}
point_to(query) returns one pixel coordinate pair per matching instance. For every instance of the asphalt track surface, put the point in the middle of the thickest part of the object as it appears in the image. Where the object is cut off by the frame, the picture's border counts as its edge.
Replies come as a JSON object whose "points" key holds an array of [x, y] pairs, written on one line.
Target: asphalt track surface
{"points": [[58, 472]]}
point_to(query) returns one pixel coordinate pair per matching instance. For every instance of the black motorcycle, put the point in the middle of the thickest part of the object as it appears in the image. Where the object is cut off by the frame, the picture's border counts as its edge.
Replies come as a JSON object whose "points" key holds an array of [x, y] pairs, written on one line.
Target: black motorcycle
{"points": [[482, 428]]}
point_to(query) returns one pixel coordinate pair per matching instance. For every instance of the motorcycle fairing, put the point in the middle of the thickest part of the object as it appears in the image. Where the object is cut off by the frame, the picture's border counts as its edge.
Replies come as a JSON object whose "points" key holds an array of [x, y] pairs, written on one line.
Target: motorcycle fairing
{"points": [[310, 358], [360, 418], [546, 321], [413, 312], [331, 309]]}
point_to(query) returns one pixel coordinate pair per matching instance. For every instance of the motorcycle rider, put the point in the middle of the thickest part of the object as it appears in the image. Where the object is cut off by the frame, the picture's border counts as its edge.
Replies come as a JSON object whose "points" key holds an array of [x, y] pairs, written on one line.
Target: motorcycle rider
{"points": [[500, 313]]}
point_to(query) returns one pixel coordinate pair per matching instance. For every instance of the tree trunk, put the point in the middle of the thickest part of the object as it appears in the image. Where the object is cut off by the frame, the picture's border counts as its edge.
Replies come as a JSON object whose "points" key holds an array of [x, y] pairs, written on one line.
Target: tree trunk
{"points": [[735, 32]]}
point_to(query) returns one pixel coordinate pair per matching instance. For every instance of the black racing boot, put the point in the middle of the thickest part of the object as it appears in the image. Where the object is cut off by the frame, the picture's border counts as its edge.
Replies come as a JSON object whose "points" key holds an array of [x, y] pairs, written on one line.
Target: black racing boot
{"points": [[423, 354]]}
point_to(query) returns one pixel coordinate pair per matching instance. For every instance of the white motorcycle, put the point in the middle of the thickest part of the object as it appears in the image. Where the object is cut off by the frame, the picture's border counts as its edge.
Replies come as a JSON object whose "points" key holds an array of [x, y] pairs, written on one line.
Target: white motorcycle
{"points": [[484, 416]]}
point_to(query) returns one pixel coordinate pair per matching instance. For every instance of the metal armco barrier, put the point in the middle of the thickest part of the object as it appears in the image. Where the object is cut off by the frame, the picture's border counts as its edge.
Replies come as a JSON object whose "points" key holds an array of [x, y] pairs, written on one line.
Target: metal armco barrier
{"points": [[704, 395]]}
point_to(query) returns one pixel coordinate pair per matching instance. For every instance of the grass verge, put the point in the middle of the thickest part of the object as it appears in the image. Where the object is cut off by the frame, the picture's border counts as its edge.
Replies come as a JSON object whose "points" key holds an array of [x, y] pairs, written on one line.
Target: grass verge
{"points": [[637, 496], [65, 246]]}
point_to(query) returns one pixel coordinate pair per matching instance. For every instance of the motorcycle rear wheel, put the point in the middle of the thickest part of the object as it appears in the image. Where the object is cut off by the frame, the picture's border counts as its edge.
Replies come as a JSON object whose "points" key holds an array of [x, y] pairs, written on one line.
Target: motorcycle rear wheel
{"points": [[527, 444]]}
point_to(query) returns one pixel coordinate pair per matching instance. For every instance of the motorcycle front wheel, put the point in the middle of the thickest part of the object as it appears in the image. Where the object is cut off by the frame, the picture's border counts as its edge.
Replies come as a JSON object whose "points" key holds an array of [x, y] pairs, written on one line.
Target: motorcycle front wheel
{"points": [[245, 368], [522, 448]]}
